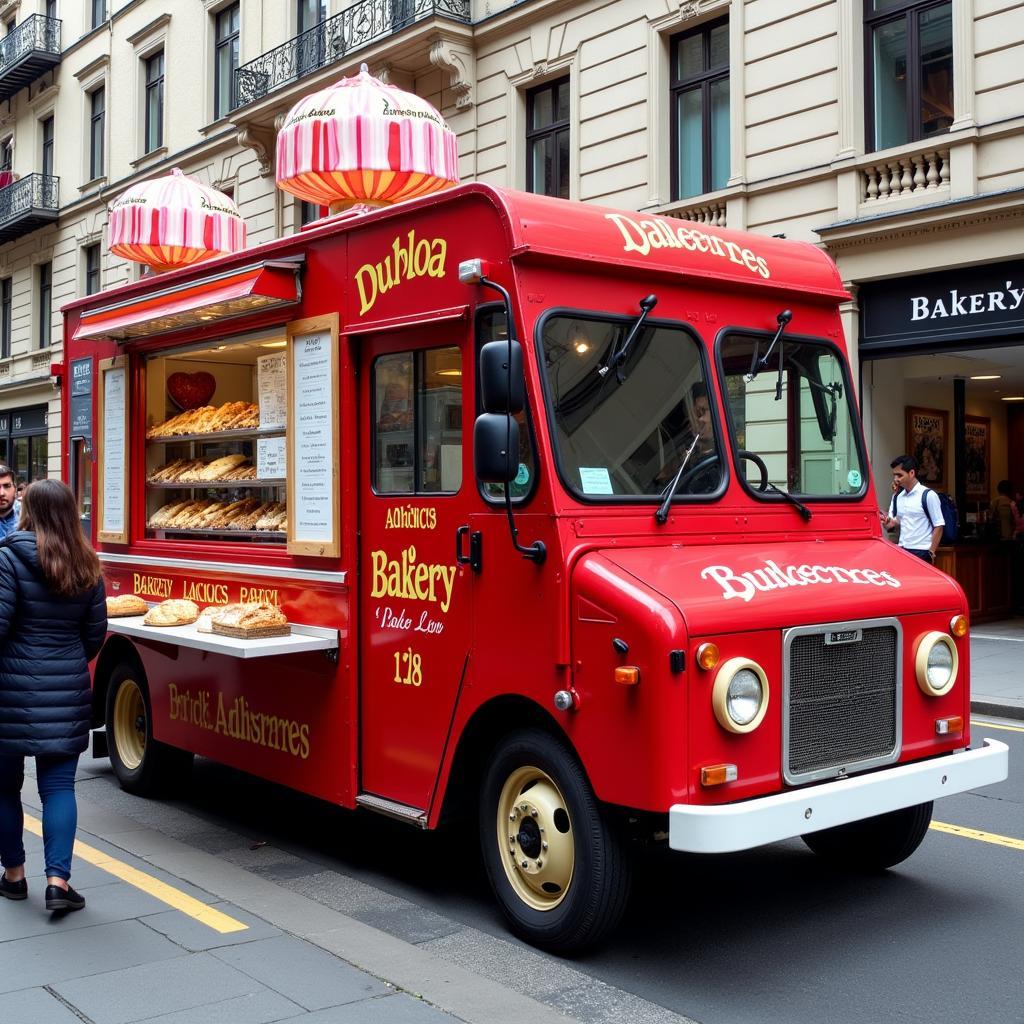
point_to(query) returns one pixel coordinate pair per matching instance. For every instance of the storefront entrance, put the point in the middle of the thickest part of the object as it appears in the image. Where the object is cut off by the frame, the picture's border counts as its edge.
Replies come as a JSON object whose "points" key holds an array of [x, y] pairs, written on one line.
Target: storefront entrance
{"points": [[23, 442]]}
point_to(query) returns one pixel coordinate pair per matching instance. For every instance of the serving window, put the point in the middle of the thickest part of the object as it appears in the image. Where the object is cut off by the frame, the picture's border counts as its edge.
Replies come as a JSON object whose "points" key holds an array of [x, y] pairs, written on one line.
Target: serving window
{"points": [[215, 442]]}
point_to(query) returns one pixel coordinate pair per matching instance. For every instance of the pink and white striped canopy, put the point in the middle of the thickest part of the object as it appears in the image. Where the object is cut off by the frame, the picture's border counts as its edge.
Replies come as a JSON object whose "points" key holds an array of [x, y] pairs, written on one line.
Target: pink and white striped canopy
{"points": [[173, 221], [361, 141]]}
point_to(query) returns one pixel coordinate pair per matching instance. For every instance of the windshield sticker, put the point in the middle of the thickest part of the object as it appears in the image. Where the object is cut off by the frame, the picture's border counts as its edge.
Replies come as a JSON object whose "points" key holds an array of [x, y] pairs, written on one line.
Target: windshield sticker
{"points": [[745, 585], [853, 478], [595, 480], [656, 233], [523, 476]]}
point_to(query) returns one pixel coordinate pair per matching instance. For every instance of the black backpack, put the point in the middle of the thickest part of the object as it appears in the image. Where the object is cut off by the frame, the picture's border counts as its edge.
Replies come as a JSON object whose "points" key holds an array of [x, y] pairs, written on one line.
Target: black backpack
{"points": [[950, 523]]}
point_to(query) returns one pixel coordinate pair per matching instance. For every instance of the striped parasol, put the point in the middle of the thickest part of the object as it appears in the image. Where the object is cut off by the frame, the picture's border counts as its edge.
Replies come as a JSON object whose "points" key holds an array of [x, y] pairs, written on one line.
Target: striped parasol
{"points": [[361, 141], [173, 221]]}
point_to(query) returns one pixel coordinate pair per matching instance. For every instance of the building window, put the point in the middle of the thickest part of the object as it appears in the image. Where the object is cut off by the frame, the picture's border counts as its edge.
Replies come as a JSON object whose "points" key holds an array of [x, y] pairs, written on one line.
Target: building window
{"points": [[99, 12], [225, 59], [700, 110], [51, 8], [547, 139], [7, 154], [92, 269], [309, 212], [45, 275], [97, 119], [47, 127], [909, 78], [5, 318], [154, 102]]}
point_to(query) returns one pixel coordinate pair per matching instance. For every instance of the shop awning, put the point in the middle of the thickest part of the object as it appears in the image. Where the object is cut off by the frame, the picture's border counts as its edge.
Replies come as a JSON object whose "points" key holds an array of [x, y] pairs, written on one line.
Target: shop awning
{"points": [[219, 297]]}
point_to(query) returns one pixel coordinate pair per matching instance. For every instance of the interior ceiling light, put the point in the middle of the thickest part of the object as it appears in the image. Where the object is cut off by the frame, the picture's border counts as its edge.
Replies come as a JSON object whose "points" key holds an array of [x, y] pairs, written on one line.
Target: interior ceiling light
{"points": [[1013, 398], [988, 376], [273, 344]]}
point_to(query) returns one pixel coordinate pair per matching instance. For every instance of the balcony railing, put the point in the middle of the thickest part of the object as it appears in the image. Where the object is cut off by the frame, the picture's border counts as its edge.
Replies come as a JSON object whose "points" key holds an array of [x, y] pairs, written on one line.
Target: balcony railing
{"points": [[27, 204], [333, 39], [28, 52]]}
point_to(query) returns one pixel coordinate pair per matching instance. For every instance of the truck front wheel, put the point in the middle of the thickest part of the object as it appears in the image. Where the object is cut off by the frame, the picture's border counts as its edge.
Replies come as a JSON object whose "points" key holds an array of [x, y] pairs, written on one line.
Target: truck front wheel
{"points": [[555, 864], [141, 764], [873, 844]]}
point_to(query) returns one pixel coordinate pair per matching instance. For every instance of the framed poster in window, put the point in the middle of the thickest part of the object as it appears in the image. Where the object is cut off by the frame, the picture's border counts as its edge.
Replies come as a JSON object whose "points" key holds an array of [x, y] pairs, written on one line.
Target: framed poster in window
{"points": [[928, 442], [977, 438], [312, 459], [112, 444]]}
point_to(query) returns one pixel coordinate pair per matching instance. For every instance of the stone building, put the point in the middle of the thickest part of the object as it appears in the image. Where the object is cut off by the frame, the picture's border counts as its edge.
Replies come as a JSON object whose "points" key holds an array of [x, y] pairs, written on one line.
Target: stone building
{"points": [[891, 132]]}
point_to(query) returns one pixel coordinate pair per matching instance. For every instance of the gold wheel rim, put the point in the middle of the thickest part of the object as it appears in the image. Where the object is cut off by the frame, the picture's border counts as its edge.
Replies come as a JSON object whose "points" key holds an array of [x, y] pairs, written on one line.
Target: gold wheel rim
{"points": [[130, 724], [535, 837]]}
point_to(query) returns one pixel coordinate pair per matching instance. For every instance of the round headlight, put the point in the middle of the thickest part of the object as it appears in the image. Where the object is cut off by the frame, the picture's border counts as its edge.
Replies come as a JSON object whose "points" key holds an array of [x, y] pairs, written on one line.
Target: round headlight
{"points": [[740, 695], [937, 664]]}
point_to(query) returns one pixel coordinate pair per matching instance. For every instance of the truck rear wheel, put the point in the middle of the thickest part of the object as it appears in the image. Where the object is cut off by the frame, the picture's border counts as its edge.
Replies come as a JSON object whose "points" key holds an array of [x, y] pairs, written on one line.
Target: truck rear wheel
{"points": [[873, 844], [556, 866], [142, 765]]}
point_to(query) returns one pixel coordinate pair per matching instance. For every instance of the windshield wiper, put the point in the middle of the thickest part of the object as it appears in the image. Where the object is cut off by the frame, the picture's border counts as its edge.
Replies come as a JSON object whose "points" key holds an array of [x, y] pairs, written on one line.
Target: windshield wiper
{"points": [[670, 491], [757, 365], [618, 356], [799, 505]]}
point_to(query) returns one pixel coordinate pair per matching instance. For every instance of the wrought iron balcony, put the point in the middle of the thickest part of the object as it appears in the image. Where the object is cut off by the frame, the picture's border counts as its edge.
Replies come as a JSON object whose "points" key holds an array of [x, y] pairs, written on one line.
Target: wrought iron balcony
{"points": [[333, 40], [28, 203], [28, 52]]}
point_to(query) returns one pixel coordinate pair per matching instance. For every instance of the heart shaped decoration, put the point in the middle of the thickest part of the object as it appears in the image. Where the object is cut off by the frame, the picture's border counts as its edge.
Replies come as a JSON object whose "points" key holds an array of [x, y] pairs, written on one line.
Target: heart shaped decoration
{"points": [[191, 390]]}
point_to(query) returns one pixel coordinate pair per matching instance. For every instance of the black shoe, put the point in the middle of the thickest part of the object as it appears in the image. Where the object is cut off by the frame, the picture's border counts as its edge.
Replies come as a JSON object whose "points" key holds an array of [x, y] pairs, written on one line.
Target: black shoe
{"points": [[63, 899], [13, 890]]}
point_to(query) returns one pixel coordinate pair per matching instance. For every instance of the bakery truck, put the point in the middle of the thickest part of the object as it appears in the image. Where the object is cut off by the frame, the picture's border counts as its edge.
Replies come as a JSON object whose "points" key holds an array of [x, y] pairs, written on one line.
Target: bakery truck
{"points": [[569, 516]]}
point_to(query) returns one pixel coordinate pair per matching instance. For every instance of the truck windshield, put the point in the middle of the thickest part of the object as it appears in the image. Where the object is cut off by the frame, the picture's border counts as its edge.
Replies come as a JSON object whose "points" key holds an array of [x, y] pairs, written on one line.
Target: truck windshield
{"points": [[628, 439], [795, 417]]}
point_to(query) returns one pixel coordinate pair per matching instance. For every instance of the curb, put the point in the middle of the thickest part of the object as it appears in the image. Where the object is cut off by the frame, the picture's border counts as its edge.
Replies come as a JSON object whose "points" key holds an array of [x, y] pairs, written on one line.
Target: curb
{"points": [[985, 707]]}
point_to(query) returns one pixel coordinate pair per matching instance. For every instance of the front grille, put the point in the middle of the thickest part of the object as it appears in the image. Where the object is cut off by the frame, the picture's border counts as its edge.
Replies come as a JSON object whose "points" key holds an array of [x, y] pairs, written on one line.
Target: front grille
{"points": [[842, 700]]}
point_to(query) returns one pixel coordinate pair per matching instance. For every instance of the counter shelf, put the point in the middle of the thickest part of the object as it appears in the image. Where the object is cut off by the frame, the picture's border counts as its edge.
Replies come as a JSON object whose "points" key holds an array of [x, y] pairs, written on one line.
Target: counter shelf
{"points": [[302, 638], [162, 533], [220, 485], [213, 436]]}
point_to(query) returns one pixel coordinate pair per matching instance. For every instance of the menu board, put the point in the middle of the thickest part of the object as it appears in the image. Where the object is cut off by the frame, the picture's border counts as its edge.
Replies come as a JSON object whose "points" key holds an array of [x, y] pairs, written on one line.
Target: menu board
{"points": [[113, 448], [271, 378], [271, 458], [81, 397], [313, 491]]}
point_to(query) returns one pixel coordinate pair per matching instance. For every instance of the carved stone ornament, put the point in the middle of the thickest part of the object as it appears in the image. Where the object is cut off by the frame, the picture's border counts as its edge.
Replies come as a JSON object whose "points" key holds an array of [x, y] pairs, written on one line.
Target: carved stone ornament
{"points": [[457, 60], [261, 141]]}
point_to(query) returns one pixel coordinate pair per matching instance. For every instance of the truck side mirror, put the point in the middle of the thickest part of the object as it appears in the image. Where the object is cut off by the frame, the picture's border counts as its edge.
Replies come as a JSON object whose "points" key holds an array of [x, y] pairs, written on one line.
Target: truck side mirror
{"points": [[495, 394], [496, 447]]}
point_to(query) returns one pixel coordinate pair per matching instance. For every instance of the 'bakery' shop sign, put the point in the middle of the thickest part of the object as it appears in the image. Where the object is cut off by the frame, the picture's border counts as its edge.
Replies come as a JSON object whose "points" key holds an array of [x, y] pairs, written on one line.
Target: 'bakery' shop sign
{"points": [[951, 305]]}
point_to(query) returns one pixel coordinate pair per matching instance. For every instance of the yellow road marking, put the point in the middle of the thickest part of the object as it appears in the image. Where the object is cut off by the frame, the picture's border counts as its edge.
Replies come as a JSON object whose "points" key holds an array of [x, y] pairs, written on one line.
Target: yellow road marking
{"points": [[147, 883], [973, 833], [992, 725]]}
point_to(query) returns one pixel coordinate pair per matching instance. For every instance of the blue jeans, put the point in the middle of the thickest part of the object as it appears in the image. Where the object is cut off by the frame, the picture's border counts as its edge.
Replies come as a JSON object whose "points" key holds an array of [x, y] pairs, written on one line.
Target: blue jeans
{"points": [[55, 778]]}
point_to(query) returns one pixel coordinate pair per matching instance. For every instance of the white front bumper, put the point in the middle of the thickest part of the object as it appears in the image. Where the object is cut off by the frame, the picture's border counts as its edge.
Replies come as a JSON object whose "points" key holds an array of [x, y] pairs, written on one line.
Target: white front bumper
{"points": [[767, 819]]}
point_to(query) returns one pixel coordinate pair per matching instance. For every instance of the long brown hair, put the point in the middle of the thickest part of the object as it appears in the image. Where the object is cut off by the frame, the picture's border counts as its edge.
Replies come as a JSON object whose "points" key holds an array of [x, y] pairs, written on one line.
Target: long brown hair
{"points": [[69, 564]]}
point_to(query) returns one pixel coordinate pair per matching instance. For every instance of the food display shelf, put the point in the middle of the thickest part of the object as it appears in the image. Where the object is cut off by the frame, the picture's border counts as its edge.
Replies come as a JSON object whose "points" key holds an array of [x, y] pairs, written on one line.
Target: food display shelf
{"points": [[217, 435], [197, 485], [165, 533]]}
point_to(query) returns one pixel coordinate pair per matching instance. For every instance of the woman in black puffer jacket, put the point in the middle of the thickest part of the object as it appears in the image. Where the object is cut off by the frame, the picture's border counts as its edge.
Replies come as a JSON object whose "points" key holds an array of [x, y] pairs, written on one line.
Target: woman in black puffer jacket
{"points": [[53, 618]]}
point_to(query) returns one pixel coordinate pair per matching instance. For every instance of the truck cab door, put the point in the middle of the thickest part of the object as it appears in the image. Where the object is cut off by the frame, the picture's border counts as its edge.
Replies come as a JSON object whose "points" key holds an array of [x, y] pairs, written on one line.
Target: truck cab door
{"points": [[416, 483]]}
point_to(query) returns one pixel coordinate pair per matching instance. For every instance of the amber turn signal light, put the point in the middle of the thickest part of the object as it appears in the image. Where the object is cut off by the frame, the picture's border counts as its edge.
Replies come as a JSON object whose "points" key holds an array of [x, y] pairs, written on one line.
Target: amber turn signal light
{"points": [[717, 774], [958, 626], [707, 656], [627, 675], [949, 726]]}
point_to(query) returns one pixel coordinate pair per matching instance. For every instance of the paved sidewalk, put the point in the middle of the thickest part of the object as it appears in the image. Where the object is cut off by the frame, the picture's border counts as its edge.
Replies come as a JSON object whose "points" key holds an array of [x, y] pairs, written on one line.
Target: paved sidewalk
{"points": [[997, 668], [164, 938]]}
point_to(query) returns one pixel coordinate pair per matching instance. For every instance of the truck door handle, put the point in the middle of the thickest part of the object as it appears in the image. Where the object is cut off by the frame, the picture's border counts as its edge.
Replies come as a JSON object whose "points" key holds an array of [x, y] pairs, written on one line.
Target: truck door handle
{"points": [[475, 558]]}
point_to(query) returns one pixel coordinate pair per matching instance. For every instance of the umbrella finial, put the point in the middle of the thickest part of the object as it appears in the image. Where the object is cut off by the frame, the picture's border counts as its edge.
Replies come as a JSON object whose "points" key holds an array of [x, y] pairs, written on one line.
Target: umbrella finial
{"points": [[363, 69]]}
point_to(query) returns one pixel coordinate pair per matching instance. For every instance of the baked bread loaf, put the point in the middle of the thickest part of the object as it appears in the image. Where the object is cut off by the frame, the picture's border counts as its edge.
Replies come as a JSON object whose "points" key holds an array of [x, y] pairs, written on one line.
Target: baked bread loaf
{"points": [[257, 619], [204, 624], [219, 468], [125, 604], [174, 612]]}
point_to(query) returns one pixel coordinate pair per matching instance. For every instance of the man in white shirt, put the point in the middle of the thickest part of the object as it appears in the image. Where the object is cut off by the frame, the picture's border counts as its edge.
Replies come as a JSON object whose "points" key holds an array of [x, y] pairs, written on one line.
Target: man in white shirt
{"points": [[918, 535]]}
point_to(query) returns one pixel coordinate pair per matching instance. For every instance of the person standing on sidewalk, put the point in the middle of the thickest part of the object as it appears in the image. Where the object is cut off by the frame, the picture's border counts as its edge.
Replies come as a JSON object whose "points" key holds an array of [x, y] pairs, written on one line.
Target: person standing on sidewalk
{"points": [[53, 618], [914, 513], [10, 501]]}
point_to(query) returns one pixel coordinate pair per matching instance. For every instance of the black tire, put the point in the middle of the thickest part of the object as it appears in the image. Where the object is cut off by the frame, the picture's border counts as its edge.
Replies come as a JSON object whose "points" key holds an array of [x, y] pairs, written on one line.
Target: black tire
{"points": [[873, 844], [573, 892], [142, 765]]}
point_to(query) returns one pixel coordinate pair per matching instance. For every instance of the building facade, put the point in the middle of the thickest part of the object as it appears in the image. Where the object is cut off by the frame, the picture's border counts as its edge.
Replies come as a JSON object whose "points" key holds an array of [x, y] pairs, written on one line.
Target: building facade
{"points": [[890, 132]]}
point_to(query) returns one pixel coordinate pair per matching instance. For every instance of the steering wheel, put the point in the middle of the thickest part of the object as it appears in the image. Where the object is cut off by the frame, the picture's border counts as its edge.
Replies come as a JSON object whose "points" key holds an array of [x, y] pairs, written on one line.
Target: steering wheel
{"points": [[710, 460]]}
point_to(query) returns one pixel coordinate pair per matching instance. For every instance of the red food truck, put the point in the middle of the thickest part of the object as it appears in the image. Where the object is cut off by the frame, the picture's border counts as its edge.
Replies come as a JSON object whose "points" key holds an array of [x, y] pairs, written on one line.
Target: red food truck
{"points": [[570, 516]]}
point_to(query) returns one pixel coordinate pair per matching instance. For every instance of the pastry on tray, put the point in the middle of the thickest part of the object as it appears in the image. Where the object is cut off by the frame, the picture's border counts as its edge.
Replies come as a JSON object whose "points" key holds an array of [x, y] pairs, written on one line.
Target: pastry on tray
{"points": [[204, 624], [257, 619], [174, 612], [125, 604]]}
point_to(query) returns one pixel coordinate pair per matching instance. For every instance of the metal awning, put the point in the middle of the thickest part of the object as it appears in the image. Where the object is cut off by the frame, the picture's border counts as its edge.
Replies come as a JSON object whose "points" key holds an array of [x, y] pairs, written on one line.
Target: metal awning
{"points": [[222, 296]]}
